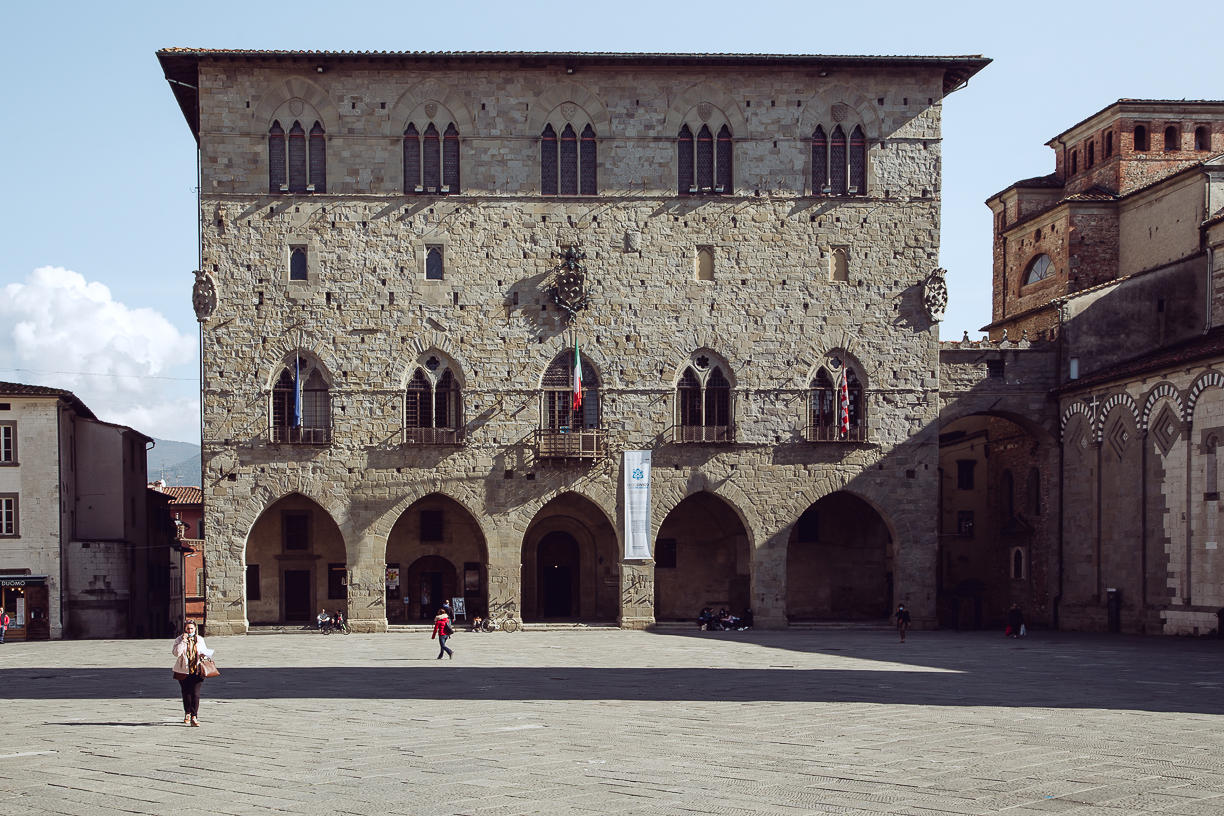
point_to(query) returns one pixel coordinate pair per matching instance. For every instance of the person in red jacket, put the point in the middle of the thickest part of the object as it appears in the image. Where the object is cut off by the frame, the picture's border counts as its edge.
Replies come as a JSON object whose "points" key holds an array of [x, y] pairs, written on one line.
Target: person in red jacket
{"points": [[442, 631], [4, 623]]}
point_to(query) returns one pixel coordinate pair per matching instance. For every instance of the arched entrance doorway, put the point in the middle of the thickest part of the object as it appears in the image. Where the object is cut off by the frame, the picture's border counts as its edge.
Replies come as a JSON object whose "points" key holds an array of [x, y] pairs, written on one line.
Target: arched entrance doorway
{"points": [[702, 558], [839, 562], [435, 552], [295, 564], [570, 563]]}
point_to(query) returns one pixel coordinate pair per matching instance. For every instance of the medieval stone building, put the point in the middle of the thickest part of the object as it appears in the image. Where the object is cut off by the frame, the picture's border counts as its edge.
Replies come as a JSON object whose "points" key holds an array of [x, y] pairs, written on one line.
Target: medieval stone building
{"points": [[405, 257], [1079, 477]]}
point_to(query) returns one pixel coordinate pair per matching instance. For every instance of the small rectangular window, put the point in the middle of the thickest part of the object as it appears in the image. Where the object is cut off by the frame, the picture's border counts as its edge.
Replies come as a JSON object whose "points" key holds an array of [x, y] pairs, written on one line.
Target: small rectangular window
{"points": [[8, 515], [471, 577], [337, 582], [8, 443], [431, 525], [994, 369], [1074, 368], [964, 473], [665, 553], [199, 590], [297, 531], [252, 582], [964, 523]]}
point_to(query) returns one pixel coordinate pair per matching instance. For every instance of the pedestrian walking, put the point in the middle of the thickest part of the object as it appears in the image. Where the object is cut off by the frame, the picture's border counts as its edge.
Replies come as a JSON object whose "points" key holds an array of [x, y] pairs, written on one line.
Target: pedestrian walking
{"points": [[442, 631], [4, 623], [903, 620], [188, 649], [1015, 621]]}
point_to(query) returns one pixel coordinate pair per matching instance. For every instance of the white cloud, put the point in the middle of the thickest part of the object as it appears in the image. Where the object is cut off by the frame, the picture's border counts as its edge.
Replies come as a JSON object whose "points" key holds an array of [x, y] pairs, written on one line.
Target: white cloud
{"points": [[131, 366]]}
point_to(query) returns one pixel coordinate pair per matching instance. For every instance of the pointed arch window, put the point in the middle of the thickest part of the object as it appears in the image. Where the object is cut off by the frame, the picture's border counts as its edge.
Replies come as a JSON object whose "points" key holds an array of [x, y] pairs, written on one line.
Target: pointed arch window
{"points": [[838, 172], [432, 160], [570, 428], [548, 161], [703, 404], [589, 161], [277, 180], [569, 161], [722, 181], [433, 412], [704, 162], [412, 160], [684, 167], [820, 162], [858, 162], [825, 416], [450, 159], [301, 406], [297, 164]]}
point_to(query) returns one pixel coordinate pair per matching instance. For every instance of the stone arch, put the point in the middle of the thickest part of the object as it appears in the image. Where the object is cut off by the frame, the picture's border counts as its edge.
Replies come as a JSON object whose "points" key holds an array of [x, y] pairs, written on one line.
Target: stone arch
{"points": [[590, 490], [583, 588], [609, 375], [819, 111], [1121, 398], [545, 109], [298, 341], [666, 500], [295, 87], [380, 528], [874, 495], [425, 91], [404, 367], [711, 94], [1073, 409], [401, 368], [967, 407], [272, 488], [1164, 390], [1207, 380], [718, 359], [822, 358]]}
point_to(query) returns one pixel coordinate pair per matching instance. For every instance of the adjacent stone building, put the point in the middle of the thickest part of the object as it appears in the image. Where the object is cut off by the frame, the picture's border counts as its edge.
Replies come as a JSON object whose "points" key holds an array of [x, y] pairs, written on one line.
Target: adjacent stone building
{"points": [[406, 259]]}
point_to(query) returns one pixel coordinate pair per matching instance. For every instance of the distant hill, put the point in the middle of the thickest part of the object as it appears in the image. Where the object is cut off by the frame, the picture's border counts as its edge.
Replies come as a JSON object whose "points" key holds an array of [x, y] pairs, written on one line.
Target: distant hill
{"points": [[176, 462]]}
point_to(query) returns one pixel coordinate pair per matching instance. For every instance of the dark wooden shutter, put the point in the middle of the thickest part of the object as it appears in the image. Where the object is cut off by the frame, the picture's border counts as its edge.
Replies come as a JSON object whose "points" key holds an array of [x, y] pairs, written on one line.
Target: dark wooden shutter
{"points": [[837, 162], [297, 158], [705, 160], [588, 161], [417, 403], [688, 392], [276, 159], [446, 402], [433, 160], [724, 160], [684, 152], [548, 161], [820, 160], [569, 161], [412, 159], [318, 158], [718, 400], [450, 158], [858, 161]]}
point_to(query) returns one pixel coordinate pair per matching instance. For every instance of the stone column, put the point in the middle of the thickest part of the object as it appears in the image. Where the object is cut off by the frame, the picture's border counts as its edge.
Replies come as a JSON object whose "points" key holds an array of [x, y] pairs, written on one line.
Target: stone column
{"points": [[367, 587], [225, 578], [769, 580], [637, 594]]}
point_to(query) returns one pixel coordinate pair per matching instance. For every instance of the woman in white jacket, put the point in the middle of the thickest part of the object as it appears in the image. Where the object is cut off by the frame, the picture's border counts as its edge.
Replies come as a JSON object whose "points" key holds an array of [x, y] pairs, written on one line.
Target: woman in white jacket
{"points": [[187, 649]]}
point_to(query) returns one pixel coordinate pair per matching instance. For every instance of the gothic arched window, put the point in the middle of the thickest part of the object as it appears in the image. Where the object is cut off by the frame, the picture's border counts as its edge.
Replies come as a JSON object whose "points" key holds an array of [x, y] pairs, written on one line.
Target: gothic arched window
{"points": [[548, 161], [837, 162], [858, 162], [723, 183], [450, 159], [432, 168], [568, 164], [301, 405], [318, 159], [684, 165], [589, 161], [703, 403], [433, 410], [1038, 269], [277, 180], [820, 162], [826, 422], [296, 167], [570, 427], [297, 158], [431, 163], [704, 162]]}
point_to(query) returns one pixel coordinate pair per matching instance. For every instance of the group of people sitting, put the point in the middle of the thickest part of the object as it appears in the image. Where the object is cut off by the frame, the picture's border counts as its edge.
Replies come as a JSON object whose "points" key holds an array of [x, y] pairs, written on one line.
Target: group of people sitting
{"points": [[334, 621], [709, 621]]}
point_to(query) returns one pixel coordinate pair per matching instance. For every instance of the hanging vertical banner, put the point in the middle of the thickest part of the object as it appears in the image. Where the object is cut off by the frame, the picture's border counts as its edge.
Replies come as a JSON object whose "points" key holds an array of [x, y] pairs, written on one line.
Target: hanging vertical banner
{"points": [[637, 504]]}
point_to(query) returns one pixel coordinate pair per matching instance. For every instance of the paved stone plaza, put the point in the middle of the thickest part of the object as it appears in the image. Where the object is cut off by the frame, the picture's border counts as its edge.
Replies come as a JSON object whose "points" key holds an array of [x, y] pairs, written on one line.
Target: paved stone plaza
{"points": [[621, 722]]}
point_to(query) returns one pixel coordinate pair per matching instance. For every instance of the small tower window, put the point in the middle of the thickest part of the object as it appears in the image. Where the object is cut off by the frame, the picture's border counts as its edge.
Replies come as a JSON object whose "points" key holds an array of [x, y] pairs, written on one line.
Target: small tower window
{"points": [[1109, 144], [433, 263], [705, 264], [1202, 140], [1038, 269], [839, 266], [1091, 153], [1074, 162], [1171, 140], [1141, 138], [298, 270]]}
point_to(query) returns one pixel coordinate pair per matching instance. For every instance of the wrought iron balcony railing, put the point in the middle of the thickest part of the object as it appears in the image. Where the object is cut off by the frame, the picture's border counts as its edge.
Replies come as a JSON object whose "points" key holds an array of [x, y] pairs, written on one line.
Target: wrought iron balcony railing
{"points": [[703, 433], [833, 433], [434, 436], [560, 443], [300, 435]]}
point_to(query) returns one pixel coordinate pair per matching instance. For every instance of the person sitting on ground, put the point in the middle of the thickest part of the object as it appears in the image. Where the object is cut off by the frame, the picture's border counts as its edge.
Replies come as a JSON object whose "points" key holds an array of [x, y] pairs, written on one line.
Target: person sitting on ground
{"points": [[746, 618], [1015, 620], [705, 619], [338, 619], [323, 618], [476, 623]]}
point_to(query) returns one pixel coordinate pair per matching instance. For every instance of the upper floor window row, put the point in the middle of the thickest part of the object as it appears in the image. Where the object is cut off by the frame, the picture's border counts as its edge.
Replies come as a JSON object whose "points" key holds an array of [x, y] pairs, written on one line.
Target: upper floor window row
{"points": [[704, 168], [839, 166], [294, 167], [431, 164]]}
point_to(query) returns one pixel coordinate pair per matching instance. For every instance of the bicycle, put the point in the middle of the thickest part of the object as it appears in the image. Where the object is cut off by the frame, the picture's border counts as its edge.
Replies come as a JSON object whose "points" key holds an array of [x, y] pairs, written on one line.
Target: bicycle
{"points": [[331, 626], [506, 624]]}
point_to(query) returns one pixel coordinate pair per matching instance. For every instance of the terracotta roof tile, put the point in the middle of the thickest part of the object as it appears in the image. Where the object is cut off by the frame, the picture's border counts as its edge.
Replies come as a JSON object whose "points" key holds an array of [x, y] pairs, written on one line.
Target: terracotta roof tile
{"points": [[184, 495]]}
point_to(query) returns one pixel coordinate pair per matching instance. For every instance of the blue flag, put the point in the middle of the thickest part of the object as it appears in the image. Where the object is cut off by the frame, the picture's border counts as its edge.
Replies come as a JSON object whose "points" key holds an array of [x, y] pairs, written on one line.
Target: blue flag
{"points": [[297, 393]]}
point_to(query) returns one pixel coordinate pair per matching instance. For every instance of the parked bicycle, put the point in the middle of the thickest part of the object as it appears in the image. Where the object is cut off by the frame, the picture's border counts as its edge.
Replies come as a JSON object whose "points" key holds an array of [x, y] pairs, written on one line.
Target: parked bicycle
{"points": [[488, 624], [336, 624]]}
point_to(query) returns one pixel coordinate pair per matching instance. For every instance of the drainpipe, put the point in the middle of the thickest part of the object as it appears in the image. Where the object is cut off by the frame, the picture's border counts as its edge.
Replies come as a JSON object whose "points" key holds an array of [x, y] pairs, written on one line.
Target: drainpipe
{"points": [[1061, 468]]}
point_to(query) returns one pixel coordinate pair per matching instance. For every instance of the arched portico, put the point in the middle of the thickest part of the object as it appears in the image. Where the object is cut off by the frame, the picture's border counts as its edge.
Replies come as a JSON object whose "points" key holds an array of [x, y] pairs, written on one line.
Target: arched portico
{"points": [[436, 551], [569, 562], [702, 558]]}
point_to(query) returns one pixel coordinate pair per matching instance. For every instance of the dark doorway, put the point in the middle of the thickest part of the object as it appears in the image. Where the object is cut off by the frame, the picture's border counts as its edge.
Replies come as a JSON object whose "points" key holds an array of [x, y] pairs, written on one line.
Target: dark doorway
{"points": [[297, 595], [431, 594], [557, 560]]}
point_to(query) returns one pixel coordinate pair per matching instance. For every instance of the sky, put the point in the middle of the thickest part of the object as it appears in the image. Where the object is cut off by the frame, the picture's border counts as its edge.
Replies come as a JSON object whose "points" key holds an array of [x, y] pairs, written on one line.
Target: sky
{"points": [[97, 221]]}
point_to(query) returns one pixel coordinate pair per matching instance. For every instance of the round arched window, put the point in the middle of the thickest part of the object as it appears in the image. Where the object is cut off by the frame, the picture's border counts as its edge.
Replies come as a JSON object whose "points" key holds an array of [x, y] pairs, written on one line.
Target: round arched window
{"points": [[1039, 269]]}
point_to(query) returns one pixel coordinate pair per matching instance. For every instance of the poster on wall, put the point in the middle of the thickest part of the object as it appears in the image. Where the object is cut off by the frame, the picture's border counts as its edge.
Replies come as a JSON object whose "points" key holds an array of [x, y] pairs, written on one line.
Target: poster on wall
{"points": [[392, 577], [637, 504]]}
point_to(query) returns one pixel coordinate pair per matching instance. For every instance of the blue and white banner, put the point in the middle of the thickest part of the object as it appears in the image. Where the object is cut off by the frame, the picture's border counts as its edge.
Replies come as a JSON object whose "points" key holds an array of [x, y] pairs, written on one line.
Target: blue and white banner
{"points": [[637, 504]]}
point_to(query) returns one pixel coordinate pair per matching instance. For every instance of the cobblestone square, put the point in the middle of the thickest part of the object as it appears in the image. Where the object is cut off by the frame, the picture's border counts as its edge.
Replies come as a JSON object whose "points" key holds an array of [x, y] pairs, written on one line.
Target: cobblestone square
{"points": [[633, 722]]}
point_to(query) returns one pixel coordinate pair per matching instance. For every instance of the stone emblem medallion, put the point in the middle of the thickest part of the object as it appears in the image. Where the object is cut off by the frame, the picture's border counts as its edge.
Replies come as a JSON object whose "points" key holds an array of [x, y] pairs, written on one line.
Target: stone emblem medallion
{"points": [[296, 106], [431, 109], [568, 109], [840, 112], [935, 295], [705, 110], [203, 295], [569, 282]]}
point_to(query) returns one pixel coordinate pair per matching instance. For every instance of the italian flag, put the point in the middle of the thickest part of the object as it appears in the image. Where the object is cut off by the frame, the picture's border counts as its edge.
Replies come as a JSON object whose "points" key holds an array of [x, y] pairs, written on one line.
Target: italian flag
{"points": [[577, 380]]}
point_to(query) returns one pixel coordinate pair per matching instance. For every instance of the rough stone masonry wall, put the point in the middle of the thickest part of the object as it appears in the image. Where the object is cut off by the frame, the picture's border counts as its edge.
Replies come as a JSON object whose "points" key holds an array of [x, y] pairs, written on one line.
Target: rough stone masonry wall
{"points": [[771, 314]]}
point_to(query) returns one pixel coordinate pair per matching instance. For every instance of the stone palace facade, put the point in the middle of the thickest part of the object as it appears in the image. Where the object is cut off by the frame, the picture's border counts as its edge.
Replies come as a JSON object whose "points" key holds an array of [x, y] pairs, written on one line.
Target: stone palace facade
{"points": [[400, 252]]}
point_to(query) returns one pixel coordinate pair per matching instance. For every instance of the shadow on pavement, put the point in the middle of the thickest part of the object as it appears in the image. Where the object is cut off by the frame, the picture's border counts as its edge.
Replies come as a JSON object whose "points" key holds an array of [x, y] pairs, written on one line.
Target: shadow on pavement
{"points": [[1015, 688]]}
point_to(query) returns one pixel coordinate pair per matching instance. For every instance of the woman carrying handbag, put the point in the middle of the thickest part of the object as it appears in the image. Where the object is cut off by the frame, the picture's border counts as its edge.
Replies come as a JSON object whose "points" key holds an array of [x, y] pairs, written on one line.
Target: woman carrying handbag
{"points": [[190, 668]]}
